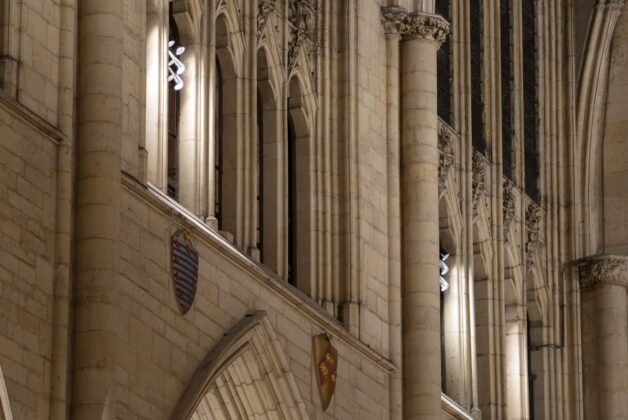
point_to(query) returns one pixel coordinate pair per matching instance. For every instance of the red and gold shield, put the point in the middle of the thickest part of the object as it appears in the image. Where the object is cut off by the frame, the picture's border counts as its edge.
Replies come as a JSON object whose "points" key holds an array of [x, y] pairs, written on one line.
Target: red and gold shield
{"points": [[326, 362]]}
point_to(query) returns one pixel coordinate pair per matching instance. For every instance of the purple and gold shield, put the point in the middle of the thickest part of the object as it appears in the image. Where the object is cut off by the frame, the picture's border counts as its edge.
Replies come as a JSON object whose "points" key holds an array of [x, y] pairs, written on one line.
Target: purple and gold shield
{"points": [[184, 269]]}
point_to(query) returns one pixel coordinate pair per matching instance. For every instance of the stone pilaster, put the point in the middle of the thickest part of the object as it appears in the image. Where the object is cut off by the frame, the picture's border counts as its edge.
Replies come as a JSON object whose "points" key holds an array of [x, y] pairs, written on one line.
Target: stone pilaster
{"points": [[392, 21], [422, 35], [101, 32], [604, 284]]}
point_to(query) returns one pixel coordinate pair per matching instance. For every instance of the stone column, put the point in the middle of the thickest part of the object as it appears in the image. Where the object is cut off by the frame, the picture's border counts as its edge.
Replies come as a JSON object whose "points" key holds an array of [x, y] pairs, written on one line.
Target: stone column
{"points": [[101, 30], [422, 36], [392, 20], [604, 286]]}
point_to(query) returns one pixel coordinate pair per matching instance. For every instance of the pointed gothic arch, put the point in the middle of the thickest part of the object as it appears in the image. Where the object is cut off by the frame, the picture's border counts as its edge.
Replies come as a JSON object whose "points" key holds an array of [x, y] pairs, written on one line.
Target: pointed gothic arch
{"points": [[5, 408], [246, 375]]}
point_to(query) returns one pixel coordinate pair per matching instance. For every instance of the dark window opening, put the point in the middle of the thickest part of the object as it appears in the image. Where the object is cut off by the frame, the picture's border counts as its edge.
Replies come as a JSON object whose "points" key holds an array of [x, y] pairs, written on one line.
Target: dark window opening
{"points": [[530, 100], [477, 105], [174, 114], [292, 205], [444, 68], [506, 86], [218, 138]]}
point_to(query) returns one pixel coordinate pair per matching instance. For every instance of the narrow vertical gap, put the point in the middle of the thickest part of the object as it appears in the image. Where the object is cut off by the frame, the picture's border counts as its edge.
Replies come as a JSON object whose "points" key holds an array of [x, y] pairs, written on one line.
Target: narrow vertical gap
{"points": [[218, 138], [444, 68], [506, 86], [260, 175], [292, 205], [530, 100], [531, 376], [477, 105], [174, 98]]}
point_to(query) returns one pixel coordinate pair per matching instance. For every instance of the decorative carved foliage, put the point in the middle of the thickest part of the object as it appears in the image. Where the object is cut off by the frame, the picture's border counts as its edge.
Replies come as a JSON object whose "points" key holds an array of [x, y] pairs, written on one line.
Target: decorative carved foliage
{"points": [[302, 21], [393, 19], [534, 219], [429, 27], [264, 9], [397, 20], [478, 183], [607, 269], [446, 154], [509, 207]]}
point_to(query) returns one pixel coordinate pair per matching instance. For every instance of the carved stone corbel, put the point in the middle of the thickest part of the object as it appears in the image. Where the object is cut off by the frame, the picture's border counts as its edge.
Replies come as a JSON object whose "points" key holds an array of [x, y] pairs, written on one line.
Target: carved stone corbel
{"points": [[446, 155], [508, 207], [478, 182], [534, 219]]}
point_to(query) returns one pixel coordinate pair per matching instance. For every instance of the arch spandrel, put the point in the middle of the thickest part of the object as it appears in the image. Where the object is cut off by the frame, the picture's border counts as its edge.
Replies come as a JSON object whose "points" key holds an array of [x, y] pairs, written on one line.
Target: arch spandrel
{"points": [[246, 375]]}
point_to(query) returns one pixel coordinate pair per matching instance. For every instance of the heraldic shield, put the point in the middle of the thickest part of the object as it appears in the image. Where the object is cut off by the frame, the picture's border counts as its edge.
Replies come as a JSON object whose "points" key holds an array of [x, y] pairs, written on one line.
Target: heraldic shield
{"points": [[326, 362], [184, 269]]}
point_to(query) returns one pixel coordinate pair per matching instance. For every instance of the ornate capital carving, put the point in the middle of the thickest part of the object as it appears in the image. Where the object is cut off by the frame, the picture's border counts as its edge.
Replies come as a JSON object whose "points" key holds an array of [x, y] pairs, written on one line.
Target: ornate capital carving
{"points": [[534, 219], [393, 20], [509, 206], [264, 9], [446, 154], [603, 269], [424, 26], [397, 20]]}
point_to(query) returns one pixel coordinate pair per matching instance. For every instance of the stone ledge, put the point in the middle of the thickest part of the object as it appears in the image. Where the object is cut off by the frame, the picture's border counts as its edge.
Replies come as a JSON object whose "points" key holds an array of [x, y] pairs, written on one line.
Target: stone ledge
{"points": [[603, 269], [18, 110], [183, 217]]}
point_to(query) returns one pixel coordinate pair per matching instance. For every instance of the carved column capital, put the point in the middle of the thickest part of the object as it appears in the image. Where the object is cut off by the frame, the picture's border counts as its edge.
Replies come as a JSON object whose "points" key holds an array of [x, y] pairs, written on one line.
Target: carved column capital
{"points": [[429, 27], [603, 269], [393, 20]]}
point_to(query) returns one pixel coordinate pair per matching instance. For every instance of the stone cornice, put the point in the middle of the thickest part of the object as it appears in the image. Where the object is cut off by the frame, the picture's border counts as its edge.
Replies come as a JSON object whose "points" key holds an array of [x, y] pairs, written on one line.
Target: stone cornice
{"points": [[603, 269], [397, 21]]}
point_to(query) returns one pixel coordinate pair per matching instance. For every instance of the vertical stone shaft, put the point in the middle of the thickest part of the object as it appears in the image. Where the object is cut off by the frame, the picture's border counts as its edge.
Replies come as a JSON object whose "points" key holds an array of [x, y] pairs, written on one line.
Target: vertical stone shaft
{"points": [[98, 208], [392, 19], [604, 283], [612, 343], [419, 203]]}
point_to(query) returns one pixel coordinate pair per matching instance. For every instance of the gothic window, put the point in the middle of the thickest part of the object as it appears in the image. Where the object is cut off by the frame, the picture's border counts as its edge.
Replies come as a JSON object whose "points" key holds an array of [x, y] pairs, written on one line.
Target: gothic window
{"points": [[444, 68], [299, 190], [506, 86], [530, 99], [477, 105]]}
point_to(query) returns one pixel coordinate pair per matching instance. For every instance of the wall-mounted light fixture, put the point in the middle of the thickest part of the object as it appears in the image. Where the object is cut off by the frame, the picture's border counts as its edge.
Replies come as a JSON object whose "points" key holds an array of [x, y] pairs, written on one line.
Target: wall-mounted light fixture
{"points": [[444, 269], [175, 66]]}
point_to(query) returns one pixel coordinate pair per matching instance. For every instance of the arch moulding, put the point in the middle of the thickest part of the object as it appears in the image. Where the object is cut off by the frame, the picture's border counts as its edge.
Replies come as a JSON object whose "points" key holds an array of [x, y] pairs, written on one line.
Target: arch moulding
{"points": [[250, 349]]}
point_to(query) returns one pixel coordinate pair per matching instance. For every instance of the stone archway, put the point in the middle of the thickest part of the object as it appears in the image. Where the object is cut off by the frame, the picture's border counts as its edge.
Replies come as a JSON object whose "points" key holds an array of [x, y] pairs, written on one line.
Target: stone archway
{"points": [[246, 375]]}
